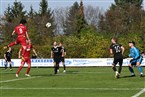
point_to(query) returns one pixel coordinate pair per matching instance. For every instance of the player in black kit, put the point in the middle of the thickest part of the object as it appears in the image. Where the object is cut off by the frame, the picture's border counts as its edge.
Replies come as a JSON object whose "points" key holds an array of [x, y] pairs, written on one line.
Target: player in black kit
{"points": [[62, 54], [55, 54], [8, 56], [117, 50]]}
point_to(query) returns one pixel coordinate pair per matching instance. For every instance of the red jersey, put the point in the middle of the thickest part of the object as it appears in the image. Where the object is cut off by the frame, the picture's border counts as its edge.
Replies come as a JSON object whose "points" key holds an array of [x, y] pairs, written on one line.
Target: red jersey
{"points": [[20, 30], [27, 51]]}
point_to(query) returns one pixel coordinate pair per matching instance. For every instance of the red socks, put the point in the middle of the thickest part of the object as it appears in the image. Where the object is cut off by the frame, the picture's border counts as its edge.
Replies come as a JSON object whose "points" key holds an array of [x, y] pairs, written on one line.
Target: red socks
{"points": [[28, 70], [19, 69]]}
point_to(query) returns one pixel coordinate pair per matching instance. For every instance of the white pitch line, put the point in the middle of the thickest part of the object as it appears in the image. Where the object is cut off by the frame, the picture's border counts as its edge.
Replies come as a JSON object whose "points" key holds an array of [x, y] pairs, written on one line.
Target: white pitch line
{"points": [[139, 93], [6, 81], [89, 72], [107, 89]]}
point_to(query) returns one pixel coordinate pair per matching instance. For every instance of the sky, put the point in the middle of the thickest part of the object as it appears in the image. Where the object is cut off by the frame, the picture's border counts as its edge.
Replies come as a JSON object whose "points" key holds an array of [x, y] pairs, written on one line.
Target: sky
{"points": [[104, 4]]}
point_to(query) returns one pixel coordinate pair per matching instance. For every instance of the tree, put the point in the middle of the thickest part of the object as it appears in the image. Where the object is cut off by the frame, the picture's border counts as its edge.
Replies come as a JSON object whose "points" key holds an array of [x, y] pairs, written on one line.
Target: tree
{"points": [[75, 20], [124, 3], [71, 19], [15, 11], [81, 22], [43, 7], [122, 18], [92, 15], [31, 12], [39, 33]]}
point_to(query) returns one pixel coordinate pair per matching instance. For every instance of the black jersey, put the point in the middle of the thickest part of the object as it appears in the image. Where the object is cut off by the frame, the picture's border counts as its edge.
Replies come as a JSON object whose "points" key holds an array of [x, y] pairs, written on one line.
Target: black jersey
{"points": [[8, 55], [62, 49], [116, 48], [56, 51]]}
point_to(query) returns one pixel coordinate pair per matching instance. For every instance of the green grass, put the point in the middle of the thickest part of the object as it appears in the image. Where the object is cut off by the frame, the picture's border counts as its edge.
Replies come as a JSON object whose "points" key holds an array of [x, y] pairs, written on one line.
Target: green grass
{"points": [[77, 82]]}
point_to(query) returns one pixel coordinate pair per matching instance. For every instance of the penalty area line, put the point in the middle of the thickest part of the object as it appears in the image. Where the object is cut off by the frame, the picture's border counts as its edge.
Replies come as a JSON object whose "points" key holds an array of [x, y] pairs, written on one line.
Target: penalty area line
{"points": [[139, 93], [18, 79]]}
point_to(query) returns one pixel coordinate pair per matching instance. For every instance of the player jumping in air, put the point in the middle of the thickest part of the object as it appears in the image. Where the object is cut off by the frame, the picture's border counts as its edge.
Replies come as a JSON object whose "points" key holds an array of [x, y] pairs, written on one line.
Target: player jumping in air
{"points": [[118, 50], [26, 58], [55, 54], [62, 54], [22, 34], [137, 59]]}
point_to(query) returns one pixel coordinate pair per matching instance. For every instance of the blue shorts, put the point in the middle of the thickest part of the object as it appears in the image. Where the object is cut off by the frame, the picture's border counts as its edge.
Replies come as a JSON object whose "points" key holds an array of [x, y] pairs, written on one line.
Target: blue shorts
{"points": [[134, 61]]}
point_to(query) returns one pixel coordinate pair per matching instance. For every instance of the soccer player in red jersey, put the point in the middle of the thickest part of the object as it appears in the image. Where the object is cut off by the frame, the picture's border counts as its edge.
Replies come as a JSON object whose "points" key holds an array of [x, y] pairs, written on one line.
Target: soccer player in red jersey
{"points": [[22, 34], [26, 58]]}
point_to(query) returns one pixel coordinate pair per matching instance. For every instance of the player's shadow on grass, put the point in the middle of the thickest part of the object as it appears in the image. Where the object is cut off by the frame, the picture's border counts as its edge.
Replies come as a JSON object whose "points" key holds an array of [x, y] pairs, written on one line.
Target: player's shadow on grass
{"points": [[72, 72], [59, 74], [128, 76]]}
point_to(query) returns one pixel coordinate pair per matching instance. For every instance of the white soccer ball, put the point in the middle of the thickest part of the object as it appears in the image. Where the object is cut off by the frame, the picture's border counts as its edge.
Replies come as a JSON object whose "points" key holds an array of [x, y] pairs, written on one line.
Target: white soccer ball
{"points": [[48, 25]]}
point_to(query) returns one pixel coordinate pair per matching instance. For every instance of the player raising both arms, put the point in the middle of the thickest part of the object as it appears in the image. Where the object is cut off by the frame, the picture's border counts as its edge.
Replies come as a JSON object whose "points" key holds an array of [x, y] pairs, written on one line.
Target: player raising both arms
{"points": [[22, 34], [26, 58], [137, 59], [118, 50]]}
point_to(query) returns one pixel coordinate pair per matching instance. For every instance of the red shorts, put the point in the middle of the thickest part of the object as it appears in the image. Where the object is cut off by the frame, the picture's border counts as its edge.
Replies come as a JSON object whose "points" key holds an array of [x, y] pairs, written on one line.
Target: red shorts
{"points": [[21, 40], [26, 60]]}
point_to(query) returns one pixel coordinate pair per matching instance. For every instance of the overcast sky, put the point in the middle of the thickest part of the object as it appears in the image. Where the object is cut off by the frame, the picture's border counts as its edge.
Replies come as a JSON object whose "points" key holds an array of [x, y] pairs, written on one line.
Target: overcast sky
{"points": [[105, 4]]}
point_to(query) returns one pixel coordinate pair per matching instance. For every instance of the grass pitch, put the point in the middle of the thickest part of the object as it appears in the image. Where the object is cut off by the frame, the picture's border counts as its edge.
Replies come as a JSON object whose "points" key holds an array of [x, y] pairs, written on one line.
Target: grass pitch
{"points": [[76, 82]]}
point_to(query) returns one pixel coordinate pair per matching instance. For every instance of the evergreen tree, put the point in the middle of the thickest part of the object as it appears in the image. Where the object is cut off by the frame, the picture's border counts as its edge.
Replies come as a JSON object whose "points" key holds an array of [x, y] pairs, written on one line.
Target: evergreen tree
{"points": [[31, 12], [75, 21], [39, 33], [124, 3], [14, 11], [71, 19], [80, 19]]}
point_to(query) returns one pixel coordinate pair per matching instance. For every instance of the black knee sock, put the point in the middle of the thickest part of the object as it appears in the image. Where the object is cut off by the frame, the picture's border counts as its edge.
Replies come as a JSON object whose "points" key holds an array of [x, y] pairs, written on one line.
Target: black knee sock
{"points": [[64, 67], [114, 68], [55, 69], [120, 68], [131, 69], [10, 66]]}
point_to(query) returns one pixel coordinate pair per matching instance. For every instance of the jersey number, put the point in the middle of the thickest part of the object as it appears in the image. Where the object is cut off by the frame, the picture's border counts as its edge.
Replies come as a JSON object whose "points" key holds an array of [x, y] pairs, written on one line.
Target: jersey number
{"points": [[20, 30], [117, 49]]}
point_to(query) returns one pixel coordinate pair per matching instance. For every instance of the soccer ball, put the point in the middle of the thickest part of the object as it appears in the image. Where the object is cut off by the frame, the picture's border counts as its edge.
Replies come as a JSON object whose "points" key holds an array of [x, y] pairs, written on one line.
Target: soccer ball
{"points": [[48, 25]]}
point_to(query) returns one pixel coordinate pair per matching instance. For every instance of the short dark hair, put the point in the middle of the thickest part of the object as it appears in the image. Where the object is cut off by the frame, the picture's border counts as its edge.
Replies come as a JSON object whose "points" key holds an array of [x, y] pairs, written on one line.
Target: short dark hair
{"points": [[115, 39], [142, 52], [132, 42], [23, 21]]}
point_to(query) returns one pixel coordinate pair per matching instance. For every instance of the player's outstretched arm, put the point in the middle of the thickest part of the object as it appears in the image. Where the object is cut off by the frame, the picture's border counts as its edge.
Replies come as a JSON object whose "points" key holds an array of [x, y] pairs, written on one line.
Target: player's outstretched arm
{"points": [[111, 52], [34, 51], [123, 49], [27, 35], [13, 33], [5, 56], [19, 54], [51, 54], [63, 53]]}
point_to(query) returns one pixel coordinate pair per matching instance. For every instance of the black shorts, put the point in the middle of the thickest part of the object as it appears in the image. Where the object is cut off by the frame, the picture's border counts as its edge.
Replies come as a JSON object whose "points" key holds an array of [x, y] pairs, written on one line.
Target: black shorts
{"points": [[8, 60], [56, 60], [62, 59], [120, 61]]}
